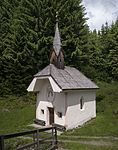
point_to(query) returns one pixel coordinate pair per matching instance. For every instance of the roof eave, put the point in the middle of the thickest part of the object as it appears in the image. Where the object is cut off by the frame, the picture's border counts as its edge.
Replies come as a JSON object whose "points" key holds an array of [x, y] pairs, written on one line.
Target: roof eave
{"points": [[77, 89], [42, 75]]}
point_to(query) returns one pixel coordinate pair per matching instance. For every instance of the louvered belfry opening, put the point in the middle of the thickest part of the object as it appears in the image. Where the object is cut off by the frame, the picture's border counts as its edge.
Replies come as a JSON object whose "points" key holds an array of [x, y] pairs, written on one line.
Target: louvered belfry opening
{"points": [[57, 56]]}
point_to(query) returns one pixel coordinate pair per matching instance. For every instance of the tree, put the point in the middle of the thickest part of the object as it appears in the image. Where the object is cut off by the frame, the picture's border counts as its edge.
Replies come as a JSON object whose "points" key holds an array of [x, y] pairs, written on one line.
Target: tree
{"points": [[109, 44], [113, 52], [28, 42], [95, 60]]}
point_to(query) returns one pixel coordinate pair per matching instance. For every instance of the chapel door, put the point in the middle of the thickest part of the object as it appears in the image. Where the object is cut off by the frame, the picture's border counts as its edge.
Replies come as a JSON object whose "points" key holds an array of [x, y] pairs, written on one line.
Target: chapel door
{"points": [[51, 115]]}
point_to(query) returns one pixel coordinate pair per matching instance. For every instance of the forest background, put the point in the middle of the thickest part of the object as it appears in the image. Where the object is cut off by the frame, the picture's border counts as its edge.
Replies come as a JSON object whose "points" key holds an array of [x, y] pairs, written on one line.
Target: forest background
{"points": [[26, 37]]}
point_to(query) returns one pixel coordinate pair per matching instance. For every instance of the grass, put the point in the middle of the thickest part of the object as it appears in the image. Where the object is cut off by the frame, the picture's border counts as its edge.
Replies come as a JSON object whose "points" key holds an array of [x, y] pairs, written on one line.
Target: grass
{"points": [[78, 146], [106, 122], [103, 125], [16, 120], [15, 114], [88, 143], [14, 143], [18, 112]]}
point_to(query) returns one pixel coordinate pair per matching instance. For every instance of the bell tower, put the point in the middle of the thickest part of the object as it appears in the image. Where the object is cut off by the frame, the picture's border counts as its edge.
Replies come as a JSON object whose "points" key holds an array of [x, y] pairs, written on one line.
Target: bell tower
{"points": [[57, 56]]}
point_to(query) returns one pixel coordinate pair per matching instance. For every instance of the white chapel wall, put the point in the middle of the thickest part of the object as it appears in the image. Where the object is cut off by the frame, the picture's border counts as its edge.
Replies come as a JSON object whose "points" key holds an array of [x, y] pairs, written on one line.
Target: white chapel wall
{"points": [[59, 105], [76, 116], [43, 103], [73, 115]]}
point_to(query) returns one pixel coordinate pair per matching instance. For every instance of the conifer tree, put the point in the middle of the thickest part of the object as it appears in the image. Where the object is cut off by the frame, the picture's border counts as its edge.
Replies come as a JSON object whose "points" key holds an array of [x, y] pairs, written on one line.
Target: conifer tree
{"points": [[7, 8], [28, 43], [109, 51], [94, 55], [113, 51]]}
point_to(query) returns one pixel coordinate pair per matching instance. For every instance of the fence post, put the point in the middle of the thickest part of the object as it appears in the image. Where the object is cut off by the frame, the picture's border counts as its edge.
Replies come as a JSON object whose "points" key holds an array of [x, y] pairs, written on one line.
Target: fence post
{"points": [[34, 139], [53, 139], [56, 142], [54, 136], [1, 143], [38, 146]]}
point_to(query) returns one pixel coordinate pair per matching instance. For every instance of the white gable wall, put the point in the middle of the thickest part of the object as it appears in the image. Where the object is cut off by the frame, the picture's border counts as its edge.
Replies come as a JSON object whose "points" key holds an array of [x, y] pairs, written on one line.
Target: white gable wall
{"points": [[58, 103], [76, 116]]}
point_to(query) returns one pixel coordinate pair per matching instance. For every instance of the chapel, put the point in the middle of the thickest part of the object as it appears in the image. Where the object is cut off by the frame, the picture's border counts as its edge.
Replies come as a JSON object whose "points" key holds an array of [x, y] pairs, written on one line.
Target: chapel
{"points": [[65, 96]]}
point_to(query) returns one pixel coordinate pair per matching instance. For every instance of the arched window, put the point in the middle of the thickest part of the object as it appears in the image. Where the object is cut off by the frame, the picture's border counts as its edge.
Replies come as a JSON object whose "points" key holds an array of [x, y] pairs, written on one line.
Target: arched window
{"points": [[81, 102]]}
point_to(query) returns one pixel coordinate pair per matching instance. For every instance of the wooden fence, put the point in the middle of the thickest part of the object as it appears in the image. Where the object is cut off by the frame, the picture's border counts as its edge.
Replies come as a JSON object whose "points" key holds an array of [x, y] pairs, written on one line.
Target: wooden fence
{"points": [[38, 143]]}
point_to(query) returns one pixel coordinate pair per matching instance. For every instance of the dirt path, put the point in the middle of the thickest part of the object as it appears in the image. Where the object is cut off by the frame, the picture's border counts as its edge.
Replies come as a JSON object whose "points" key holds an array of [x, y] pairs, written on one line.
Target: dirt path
{"points": [[88, 140], [92, 142], [61, 149], [91, 137]]}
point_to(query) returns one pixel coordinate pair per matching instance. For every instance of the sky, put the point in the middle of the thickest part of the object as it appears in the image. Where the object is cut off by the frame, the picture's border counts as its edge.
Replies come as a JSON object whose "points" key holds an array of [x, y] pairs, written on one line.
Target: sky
{"points": [[100, 11]]}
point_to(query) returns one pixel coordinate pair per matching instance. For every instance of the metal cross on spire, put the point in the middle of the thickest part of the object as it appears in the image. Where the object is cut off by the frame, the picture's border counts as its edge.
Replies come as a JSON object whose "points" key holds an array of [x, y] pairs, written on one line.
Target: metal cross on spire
{"points": [[57, 40]]}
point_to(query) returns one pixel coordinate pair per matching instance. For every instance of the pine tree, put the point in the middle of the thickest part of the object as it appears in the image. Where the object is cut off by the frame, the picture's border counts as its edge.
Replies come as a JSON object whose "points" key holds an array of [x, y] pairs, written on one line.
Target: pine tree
{"points": [[74, 32], [113, 52], [7, 8], [94, 55], [28, 42], [109, 51], [105, 38]]}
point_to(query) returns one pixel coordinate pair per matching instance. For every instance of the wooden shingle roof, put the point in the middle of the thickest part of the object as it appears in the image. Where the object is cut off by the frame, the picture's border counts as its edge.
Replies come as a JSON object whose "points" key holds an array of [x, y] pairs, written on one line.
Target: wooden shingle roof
{"points": [[68, 78]]}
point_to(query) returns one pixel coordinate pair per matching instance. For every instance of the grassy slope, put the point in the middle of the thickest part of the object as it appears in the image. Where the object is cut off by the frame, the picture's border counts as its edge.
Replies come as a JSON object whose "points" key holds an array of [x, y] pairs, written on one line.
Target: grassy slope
{"points": [[16, 113], [78, 146], [106, 122]]}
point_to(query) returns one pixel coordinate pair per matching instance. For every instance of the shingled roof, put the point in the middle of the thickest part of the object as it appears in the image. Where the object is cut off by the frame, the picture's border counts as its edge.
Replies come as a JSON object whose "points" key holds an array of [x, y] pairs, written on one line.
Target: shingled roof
{"points": [[67, 78]]}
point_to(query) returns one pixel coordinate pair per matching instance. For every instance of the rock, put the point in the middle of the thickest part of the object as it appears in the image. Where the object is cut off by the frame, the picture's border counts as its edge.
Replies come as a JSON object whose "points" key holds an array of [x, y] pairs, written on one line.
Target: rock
{"points": [[5, 110]]}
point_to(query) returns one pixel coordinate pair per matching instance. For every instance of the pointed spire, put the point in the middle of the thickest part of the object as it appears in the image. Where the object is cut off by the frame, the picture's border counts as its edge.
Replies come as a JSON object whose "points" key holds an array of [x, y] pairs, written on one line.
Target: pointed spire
{"points": [[57, 56], [57, 40]]}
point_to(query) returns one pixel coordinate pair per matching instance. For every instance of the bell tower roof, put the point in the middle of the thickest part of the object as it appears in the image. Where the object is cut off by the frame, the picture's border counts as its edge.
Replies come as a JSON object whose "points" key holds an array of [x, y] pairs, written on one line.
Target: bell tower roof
{"points": [[57, 39], [57, 56]]}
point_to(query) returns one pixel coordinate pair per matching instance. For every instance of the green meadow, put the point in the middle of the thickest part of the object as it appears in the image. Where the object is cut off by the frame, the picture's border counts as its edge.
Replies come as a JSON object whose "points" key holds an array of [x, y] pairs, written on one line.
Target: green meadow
{"points": [[16, 113], [106, 122]]}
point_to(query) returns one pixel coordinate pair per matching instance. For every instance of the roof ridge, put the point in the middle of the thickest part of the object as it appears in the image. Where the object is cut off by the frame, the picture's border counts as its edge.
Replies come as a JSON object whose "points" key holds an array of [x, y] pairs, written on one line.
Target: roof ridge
{"points": [[69, 78]]}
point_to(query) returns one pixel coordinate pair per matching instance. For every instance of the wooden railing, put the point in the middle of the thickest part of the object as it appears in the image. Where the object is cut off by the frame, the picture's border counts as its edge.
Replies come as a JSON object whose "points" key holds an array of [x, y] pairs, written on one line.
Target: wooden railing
{"points": [[38, 143]]}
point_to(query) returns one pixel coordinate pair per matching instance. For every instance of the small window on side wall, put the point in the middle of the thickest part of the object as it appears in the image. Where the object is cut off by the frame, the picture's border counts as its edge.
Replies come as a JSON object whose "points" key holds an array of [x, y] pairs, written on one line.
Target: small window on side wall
{"points": [[42, 111], [59, 114], [81, 102]]}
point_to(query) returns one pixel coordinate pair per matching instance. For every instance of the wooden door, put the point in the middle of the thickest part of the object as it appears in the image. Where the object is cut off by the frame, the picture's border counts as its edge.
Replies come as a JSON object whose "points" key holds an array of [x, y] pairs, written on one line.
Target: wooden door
{"points": [[51, 115]]}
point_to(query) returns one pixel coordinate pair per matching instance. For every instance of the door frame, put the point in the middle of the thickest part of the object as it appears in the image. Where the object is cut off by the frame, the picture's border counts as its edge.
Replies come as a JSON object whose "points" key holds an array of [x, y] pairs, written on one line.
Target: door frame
{"points": [[50, 115]]}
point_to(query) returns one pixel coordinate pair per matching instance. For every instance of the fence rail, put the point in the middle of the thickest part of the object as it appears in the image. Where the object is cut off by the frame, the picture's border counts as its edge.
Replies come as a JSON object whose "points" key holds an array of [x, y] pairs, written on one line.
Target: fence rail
{"points": [[37, 140]]}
